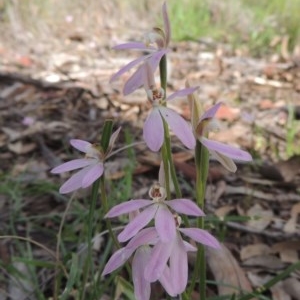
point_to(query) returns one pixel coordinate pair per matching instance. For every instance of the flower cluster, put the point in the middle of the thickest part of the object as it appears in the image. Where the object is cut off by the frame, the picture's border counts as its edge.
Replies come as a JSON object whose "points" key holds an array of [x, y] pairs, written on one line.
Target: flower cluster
{"points": [[160, 252]]}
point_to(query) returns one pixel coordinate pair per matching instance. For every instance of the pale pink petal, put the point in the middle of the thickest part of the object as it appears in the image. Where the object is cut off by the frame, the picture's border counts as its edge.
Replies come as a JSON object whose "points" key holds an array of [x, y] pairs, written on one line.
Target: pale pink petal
{"points": [[133, 45], [127, 67], [226, 150], [185, 206], [225, 161], [179, 266], [210, 113], [158, 261], [112, 141], [155, 58], [73, 165], [142, 288], [92, 175], [74, 182], [182, 93], [167, 27], [179, 126], [148, 76], [188, 247], [127, 207], [80, 145], [139, 222], [165, 224], [117, 260], [135, 81], [201, 236], [167, 282], [153, 132], [147, 236]]}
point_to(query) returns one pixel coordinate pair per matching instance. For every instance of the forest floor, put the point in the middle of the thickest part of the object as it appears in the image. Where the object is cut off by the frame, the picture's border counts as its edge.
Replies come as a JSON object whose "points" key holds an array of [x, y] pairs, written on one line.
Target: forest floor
{"points": [[58, 90]]}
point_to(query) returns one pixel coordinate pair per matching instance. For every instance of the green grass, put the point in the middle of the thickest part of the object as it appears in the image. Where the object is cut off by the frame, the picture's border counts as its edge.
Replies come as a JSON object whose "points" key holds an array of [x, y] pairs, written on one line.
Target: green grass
{"points": [[249, 23]]}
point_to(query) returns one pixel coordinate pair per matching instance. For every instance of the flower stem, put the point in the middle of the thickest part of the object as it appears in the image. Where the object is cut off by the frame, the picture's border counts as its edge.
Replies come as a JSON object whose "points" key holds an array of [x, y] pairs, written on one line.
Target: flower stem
{"points": [[89, 261], [202, 163], [105, 206], [169, 167]]}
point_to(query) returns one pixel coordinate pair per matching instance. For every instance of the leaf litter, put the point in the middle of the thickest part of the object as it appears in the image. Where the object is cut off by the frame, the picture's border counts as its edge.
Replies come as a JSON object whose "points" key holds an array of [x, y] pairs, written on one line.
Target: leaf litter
{"points": [[69, 98]]}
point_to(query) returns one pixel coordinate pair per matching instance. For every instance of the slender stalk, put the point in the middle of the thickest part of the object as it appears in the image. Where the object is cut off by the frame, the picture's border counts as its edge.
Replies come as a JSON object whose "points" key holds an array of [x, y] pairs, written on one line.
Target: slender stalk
{"points": [[202, 163], [89, 260], [105, 206], [169, 167]]}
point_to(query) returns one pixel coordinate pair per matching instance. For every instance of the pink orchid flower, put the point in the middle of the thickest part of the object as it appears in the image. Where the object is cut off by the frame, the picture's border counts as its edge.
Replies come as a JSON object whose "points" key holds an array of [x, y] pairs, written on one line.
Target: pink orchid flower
{"points": [[158, 209], [155, 46], [140, 245], [225, 154], [153, 131], [92, 164], [170, 258]]}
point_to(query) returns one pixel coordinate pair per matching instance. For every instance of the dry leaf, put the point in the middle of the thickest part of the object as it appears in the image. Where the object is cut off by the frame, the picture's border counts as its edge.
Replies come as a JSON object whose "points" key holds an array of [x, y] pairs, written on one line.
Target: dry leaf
{"points": [[224, 210], [291, 225], [287, 250], [258, 280], [271, 262], [265, 217], [21, 148], [226, 270], [278, 293], [254, 250], [292, 287]]}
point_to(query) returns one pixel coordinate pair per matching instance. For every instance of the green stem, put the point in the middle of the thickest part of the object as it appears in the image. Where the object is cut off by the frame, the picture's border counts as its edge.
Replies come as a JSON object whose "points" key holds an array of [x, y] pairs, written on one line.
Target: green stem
{"points": [[89, 261], [105, 206], [166, 149], [202, 163], [107, 220], [163, 73]]}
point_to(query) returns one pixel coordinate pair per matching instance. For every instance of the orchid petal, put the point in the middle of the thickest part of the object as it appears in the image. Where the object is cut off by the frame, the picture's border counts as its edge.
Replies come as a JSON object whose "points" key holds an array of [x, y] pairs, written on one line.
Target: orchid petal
{"points": [[165, 224], [127, 67], [80, 145], [132, 45], [74, 182], [210, 113], [155, 58], [135, 81], [117, 260], [179, 266], [201, 236], [112, 140], [225, 161], [188, 247], [142, 288], [92, 175], [147, 236], [182, 93], [73, 165], [185, 206], [139, 222], [167, 27], [127, 207], [179, 126], [167, 282], [226, 150], [153, 132], [158, 261]]}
